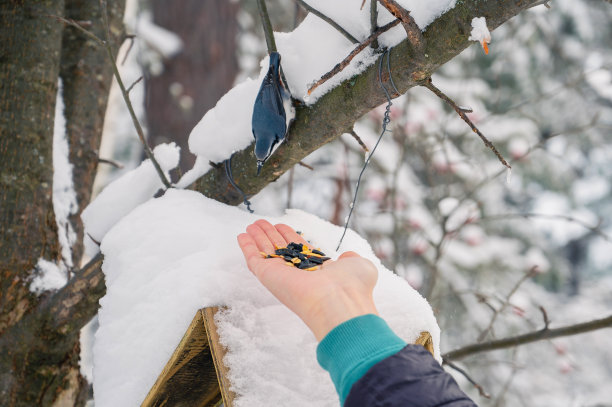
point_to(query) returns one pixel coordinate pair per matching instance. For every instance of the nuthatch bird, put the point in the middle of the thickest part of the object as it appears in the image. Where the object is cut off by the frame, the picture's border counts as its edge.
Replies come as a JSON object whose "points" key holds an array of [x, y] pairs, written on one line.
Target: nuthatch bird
{"points": [[272, 113]]}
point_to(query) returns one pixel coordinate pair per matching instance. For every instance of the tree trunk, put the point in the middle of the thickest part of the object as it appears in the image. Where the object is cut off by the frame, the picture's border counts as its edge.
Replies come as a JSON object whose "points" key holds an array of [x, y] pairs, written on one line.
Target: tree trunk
{"points": [[194, 80], [39, 361]]}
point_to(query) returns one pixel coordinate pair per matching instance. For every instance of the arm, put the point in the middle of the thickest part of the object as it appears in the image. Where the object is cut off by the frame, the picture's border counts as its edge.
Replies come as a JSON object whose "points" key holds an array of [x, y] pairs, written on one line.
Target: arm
{"points": [[368, 363]]}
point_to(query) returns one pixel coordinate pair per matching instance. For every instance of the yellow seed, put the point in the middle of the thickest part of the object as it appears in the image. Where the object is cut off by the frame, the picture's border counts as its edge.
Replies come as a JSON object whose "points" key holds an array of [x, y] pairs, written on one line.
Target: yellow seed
{"points": [[295, 260], [289, 263], [311, 268], [263, 254]]}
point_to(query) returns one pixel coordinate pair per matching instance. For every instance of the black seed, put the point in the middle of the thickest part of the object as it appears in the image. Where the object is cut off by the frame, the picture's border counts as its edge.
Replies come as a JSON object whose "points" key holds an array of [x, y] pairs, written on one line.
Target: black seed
{"points": [[320, 253]]}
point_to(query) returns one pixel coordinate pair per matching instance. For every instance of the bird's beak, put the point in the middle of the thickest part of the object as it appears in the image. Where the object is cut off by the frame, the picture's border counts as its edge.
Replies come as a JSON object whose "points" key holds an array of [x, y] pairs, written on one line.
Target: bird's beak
{"points": [[259, 165]]}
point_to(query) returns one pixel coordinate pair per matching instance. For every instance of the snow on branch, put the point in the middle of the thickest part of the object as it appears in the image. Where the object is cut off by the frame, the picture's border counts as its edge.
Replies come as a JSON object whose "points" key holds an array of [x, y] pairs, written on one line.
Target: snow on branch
{"points": [[328, 20], [346, 61], [415, 36]]}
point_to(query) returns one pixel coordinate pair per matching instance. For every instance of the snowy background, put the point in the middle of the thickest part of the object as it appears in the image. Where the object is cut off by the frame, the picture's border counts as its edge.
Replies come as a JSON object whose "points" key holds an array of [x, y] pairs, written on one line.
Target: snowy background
{"points": [[436, 208]]}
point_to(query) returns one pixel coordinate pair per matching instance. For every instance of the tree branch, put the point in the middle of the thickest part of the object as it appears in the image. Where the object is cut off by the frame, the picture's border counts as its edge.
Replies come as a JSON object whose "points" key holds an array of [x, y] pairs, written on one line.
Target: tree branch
{"points": [[328, 21], [461, 111], [267, 26], [506, 302], [346, 61], [338, 110], [465, 374], [374, 21], [594, 229], [542, 334], [415, 36]]}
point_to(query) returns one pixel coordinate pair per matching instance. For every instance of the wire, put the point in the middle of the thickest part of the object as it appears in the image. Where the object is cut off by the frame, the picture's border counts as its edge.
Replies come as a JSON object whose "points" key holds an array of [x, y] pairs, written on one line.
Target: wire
{"points": [[385, 122], [228, 173]]}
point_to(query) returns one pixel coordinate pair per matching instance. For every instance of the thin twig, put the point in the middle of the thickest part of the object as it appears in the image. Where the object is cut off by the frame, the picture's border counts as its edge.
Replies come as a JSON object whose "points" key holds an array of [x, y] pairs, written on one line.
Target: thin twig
{"points": [[506, 302], [373, 20], [544, 316], [303, 164], [359, 140], [595, 229], [460, 111], [106, 45], [134, 84], [328, 21], [481, 390], [415, 36], [269, 34], [126, 97], [267, 26], [127, 52], [110, 162], [346, 61], [535, 336]]}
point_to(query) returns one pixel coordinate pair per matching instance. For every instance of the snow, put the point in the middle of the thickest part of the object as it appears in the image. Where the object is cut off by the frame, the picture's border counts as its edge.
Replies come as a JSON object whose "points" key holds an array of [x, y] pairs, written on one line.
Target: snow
{"points": [[167, 43], [127, 192], [480, 31], [47, 276], [227, 127], [64, 196], [178, 253]]}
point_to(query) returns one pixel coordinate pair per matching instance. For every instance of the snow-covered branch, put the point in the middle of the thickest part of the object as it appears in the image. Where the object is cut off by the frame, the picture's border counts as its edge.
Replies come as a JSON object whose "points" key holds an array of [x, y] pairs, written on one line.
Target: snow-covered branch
{"points": [[337, 111]]}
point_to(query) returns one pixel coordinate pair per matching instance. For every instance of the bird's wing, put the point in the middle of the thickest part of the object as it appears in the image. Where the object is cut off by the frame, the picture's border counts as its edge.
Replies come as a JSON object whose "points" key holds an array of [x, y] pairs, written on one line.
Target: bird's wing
{"points": [[270, 96]]}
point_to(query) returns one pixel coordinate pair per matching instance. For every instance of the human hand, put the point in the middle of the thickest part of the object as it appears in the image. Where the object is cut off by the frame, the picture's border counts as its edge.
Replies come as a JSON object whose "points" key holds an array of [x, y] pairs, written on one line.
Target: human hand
{"points": [[338, 291]]}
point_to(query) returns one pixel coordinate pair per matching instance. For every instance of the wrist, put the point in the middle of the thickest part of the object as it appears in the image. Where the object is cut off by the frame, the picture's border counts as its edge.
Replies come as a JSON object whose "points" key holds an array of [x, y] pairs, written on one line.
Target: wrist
{"points": [[336, 307]]}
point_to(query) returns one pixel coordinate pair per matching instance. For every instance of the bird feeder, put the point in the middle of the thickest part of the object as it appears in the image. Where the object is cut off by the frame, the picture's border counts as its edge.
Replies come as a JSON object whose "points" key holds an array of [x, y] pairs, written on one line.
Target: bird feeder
{"points": [[195, 375]]}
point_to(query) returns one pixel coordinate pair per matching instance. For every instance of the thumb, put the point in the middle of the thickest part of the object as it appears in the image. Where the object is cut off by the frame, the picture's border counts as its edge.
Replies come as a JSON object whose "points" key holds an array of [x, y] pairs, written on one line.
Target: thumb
{"points": [[347, 255]]}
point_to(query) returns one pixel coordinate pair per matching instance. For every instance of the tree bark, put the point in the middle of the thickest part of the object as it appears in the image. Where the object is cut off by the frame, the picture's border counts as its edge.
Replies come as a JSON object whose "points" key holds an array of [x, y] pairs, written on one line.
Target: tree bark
{"points": [[39, 360], [31, 48], [200, 74]]}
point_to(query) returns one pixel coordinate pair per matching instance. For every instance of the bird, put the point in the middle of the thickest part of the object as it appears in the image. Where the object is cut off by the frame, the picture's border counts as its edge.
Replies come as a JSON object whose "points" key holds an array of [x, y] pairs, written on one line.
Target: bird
{"points": [[272, 113]]}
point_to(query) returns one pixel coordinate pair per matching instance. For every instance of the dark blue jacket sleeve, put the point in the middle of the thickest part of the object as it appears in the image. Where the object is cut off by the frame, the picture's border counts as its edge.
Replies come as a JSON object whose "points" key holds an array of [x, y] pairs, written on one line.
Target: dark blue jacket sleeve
{"points": [[409, 378]]}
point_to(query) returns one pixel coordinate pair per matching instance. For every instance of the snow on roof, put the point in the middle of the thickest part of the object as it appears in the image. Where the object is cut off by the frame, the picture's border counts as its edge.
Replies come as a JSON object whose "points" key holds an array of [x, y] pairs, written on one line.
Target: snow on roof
{"points": [[178, 253]]}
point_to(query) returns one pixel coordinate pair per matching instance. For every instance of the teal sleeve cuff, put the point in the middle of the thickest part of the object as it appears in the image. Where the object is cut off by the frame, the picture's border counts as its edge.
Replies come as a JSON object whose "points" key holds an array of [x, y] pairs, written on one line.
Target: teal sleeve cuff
{"points": [[349, 350]]}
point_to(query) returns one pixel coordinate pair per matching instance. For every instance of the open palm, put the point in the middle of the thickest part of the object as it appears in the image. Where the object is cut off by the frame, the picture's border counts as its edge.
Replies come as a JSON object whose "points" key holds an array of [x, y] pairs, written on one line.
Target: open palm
{"points": [[338, 291]]}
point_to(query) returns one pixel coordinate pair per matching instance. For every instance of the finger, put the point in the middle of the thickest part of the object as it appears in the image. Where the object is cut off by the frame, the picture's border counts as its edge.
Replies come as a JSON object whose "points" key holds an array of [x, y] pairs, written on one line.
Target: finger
{"points": [[348, 254], [260, 238], [273, 235], [249, 249], [289, 234]]}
